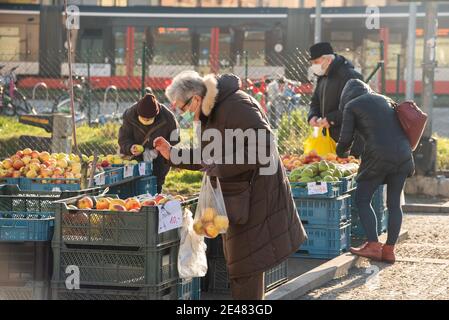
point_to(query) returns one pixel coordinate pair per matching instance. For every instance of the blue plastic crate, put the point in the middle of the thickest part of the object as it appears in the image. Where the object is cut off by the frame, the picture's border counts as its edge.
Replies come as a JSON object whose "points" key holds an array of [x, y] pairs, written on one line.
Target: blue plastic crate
{"points": [[146, 185], [325, 242], [347, 184], [49, 184], [300, 190], [189, 290], [109, 176], [26, 226], [148, 169], [324, 211], [10, 181]]}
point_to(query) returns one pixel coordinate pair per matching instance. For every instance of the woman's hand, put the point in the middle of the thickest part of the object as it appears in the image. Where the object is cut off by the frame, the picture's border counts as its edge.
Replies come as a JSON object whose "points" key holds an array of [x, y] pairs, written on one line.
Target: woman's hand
{"points": [[162, 145]]}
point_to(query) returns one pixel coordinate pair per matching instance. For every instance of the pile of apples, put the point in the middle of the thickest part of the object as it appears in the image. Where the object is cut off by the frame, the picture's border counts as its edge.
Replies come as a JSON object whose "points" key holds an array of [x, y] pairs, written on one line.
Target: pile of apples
{"points": [[34, 164], [132, 204], [292, 162], [210, 223]]}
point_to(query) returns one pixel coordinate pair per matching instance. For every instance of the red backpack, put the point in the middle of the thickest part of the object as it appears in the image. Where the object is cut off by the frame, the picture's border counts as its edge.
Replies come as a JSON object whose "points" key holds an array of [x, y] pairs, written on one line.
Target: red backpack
{"points": [[413, 121]]}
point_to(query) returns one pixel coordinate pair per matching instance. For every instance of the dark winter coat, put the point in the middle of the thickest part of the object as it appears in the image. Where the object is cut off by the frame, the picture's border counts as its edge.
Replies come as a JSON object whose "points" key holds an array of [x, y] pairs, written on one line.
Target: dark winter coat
{"points": [[133, 132], [269, 231], [326, 97], [387, 149]]}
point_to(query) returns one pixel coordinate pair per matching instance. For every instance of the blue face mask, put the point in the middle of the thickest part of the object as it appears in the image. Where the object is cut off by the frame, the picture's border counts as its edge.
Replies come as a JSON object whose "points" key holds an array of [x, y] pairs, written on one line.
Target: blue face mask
{"points": [[188, 116]]}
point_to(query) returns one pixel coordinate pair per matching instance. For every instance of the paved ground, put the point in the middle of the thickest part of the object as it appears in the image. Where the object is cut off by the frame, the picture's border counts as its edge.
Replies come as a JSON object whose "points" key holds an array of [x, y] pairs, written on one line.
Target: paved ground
{"points": [[421, 272]]}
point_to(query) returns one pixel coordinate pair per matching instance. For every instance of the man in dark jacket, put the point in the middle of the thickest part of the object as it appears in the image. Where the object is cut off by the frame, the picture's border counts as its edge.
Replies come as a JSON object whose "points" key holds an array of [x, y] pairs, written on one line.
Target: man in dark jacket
{"points": [[333, 72], [142, 123], [386, 159]]}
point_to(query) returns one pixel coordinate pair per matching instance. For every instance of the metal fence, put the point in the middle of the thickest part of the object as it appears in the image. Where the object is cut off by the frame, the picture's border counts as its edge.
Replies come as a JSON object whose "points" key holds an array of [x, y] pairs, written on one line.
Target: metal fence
{"points": [[107, 83]]}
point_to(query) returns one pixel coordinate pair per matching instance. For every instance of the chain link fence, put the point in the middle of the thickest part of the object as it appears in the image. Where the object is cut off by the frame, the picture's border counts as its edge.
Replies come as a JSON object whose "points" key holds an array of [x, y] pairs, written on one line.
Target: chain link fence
{"points": [[107, 83]]}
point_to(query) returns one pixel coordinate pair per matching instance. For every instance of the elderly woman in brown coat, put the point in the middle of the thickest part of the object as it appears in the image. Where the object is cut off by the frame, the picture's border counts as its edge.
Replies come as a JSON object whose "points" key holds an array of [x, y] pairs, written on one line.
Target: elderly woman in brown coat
{"points": [[264, 226]]}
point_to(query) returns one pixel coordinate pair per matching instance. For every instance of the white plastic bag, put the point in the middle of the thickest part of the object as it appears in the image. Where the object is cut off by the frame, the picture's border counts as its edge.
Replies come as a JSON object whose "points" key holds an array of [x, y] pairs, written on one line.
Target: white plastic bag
{"points": [[192, 260], [211, 218]]}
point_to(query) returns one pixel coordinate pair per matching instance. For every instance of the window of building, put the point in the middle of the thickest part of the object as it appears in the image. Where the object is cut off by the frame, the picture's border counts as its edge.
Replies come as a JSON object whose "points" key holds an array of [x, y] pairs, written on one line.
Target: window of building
{"points": [[91, 46], [10, 40]]}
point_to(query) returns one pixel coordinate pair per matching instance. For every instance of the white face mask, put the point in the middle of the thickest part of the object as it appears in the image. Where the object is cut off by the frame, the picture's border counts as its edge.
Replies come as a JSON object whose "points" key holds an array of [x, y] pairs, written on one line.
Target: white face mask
{"points": [[318, 69]]}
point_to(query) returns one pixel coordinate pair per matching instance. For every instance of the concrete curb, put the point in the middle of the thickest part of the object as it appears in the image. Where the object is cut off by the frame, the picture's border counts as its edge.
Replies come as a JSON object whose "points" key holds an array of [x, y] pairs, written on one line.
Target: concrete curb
{"points": [[425, 208], [332, 269]]}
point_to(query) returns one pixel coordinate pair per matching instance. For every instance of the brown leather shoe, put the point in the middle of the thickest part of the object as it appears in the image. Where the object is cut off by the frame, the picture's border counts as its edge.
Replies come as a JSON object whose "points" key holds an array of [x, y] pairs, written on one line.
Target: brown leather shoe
{"points": [[371, 250], [388, 253]]}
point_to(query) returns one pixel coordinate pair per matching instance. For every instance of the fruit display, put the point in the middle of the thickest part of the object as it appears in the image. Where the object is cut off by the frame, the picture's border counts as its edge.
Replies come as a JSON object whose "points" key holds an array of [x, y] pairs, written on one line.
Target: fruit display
{"points": [[34, 164], [323, 171], [295, 161], [210, 223], [106, 161], [132, 204]]}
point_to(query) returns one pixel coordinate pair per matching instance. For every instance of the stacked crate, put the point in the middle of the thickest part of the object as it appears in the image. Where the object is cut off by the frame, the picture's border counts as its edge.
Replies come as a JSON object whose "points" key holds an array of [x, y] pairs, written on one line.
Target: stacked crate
{"points": [[120, 255], [217, 279], [380, 209], [326, 218], [26, 228]]}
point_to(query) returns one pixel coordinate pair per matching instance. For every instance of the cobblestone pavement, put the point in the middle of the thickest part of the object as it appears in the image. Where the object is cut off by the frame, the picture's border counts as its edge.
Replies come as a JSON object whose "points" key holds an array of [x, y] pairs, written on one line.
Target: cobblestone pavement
{"points": [[421, 272]]}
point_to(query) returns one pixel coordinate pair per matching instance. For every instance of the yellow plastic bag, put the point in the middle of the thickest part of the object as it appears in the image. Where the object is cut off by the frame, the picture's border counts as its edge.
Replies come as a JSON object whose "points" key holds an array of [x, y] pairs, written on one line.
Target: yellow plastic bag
{"points": [[321, 143]]}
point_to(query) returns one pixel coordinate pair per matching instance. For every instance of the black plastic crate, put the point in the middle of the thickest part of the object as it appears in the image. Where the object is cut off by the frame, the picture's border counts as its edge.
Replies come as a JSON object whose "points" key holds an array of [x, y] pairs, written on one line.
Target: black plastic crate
{"points": [[75, 227], [119, 268], [22, 262], [14, 199], [214, 247], [31, 290], [166, 291], [219, 281]]}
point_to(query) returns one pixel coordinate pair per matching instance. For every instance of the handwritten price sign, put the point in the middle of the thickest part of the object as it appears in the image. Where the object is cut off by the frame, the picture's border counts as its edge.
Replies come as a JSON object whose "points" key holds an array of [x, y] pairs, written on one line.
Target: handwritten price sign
{"points": [[142, 168], [128, 171], [316, 188], [100, 179], [170, 216]]}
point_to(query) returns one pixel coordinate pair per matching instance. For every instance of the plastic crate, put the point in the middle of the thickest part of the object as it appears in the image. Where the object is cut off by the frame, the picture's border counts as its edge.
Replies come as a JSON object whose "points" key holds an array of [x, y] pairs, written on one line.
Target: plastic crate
{"points": [[111, 176], [23, 262], [325, 242], [378, 201], [26, 226], [14, 181], [324, 211], [147, 169], [166, 291], [189, 290], [49, 184], [118, 267], [300, 190], [146, 184], [12, 198], [348, 184], [219, 281], [214, 247], [111, 228], [32, 290]]}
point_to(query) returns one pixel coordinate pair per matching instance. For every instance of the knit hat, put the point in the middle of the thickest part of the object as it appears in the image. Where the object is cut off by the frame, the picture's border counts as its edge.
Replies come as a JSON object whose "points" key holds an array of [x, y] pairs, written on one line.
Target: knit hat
{"points": [[148, 107], [319, 49]]}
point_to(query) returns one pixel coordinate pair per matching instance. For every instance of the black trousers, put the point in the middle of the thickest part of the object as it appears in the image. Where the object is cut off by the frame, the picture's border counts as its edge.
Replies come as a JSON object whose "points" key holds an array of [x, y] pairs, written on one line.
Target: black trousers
{"points": [[364, 194]]}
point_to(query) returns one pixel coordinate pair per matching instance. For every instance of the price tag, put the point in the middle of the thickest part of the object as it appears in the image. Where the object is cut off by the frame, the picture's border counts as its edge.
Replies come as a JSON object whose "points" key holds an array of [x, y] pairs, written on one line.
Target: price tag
{"points": [[170, 216], [316, 188], [142, 168], [128, 171], [100, 179]]}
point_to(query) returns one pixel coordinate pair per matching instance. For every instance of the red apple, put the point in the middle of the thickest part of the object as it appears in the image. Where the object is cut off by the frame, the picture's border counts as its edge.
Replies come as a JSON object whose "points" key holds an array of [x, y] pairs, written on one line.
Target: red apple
{"points": [[35, 154], [7, 163], [16, 174], [18, 164], [27, 151], [20, 154]]}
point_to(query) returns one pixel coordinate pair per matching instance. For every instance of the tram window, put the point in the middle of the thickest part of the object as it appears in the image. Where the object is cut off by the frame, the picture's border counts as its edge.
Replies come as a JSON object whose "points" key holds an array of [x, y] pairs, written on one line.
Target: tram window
{"points": [[254, 44], [91, 46], [112, 3], [172, 46]]}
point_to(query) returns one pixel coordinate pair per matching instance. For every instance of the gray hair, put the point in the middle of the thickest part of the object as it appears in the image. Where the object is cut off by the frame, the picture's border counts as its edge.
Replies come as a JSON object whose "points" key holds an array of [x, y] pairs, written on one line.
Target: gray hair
{"points": [[185, 85]]}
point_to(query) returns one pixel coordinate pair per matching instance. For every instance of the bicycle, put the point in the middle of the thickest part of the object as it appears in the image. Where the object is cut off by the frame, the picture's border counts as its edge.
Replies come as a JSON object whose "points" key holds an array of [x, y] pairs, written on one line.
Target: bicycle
{"points": [[86, 108], [12, 101]]}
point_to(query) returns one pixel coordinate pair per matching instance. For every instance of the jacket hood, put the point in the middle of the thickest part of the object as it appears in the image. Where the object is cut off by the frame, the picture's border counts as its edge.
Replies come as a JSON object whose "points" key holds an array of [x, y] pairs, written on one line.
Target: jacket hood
{"points": [[218, 88], [338, 62], [354, 88]]}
